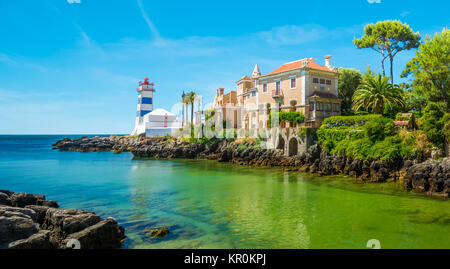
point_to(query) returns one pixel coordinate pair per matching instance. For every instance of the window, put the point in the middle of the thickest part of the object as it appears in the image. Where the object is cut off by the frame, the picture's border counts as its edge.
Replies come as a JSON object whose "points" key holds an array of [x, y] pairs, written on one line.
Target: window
{"points": [[278, 85], [311, 106], [328, 81], [322, 88], [315, 80], [265, 87], [293, 83], [322, 81], [254, 93]]}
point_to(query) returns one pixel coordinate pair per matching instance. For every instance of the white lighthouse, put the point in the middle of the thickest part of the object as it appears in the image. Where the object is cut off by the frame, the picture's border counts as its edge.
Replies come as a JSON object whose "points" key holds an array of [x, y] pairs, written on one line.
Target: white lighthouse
{"points": [[145, 105]]}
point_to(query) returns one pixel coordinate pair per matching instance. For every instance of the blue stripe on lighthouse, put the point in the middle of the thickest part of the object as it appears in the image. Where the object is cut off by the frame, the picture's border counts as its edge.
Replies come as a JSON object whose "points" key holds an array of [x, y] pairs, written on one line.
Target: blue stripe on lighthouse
{"points": [[147, 100], [144, 112]]}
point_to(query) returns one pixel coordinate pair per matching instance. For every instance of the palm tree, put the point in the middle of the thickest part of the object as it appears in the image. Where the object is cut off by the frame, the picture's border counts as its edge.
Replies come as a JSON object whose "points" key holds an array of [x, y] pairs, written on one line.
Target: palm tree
{"points": [[190, 96], [183, 102], [376, 93]]}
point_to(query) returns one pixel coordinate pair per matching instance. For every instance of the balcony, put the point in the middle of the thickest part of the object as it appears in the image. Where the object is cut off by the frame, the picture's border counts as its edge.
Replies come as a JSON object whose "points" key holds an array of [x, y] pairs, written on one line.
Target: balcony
{"points": [[277, 93]]}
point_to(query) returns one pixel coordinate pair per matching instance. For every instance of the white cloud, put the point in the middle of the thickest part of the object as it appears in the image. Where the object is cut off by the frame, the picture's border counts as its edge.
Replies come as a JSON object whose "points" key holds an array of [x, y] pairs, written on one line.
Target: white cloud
{"points": [[18, 61], [150, 24], [374, 1], [405, 13], [291, 35], [74, 1]]}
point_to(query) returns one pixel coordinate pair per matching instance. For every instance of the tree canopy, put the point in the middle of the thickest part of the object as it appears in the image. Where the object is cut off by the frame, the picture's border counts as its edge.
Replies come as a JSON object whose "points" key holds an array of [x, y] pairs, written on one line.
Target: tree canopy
{"points": [[349, 80], [388, 38], [431, 69]]}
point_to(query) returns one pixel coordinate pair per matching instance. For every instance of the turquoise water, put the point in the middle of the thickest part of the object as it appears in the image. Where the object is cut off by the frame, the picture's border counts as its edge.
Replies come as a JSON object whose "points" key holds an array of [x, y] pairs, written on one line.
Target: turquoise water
{"points": [[206, 204]]}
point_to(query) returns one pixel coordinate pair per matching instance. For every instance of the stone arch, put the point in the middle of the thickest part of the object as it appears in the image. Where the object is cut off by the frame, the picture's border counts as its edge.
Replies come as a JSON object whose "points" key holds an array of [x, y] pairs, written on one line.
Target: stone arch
{"points": [[293, 147], [281, 143]]}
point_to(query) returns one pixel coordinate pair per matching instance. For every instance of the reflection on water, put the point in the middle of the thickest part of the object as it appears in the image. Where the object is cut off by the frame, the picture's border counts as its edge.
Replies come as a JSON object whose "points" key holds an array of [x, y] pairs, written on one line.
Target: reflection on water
{"points": [[214, 205]]}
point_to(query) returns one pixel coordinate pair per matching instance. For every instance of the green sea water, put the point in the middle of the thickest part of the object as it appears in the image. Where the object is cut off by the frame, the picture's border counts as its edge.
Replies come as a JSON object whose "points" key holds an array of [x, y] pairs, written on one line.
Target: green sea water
{"points": [[206, 204]]}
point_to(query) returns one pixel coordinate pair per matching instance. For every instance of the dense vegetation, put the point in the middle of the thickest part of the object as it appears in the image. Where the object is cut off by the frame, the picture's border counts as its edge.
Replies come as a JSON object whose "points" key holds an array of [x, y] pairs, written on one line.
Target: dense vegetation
{"points": [[287, 116], [425, 128], [366, 137]]}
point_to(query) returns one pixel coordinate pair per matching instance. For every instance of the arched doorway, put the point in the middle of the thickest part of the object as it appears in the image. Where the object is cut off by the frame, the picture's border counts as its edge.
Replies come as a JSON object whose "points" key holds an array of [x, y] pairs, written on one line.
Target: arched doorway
{"points": [[280, 143], [293, 147]]}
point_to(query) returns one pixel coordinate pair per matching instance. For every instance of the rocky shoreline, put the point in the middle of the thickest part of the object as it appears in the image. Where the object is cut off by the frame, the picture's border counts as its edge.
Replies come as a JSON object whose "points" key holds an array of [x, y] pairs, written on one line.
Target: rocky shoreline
{"points": [[430, 177], [29, 221]]}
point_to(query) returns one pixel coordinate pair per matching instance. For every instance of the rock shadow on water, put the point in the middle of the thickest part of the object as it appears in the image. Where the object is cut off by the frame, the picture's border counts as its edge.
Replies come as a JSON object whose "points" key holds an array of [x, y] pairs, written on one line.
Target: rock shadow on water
{"points": [[426, 219], [402, 211]]}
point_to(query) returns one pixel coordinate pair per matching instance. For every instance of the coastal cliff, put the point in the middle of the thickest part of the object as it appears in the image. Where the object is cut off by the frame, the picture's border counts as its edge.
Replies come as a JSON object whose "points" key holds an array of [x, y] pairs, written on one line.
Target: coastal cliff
{"points": [[29, 221], [431, 177]]}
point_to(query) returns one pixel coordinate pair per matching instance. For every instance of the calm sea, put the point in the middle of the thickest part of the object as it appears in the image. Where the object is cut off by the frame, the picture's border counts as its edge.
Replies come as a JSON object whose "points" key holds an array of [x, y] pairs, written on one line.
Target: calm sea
{"points": [[206, 204]]}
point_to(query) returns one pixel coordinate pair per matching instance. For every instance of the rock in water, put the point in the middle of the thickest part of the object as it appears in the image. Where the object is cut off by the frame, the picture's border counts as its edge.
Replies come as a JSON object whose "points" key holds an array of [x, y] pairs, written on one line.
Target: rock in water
{"points": [[432, 177], [32, 222], [159, 232], [106, 234]]}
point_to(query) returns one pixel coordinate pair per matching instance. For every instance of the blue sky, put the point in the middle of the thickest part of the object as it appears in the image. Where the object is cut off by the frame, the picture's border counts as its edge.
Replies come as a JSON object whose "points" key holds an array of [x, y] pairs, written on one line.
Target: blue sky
{"points": [[74, 67]]}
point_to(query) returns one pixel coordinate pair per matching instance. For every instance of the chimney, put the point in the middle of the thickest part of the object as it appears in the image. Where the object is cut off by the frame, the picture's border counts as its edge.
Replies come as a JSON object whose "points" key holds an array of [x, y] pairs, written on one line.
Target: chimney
{"points": [[221, 91], [327, 61]]}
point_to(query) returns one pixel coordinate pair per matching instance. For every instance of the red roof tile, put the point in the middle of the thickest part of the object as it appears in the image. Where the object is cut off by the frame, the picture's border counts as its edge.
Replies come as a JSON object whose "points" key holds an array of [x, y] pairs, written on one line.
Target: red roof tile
{"points": [[299, 64]]}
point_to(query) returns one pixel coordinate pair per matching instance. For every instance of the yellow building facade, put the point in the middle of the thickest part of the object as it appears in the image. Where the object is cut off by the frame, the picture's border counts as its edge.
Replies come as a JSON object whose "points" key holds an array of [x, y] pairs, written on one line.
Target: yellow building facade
{"points": [[302, 86]]}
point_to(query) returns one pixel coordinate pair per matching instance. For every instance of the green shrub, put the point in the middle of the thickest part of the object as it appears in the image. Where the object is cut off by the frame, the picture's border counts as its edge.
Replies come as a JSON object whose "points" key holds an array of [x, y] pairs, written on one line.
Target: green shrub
{"points": [[330, 137], [348, 121], [292, 117], [365, 137], [379, 128], [446, 128], [242, 147], [390, 149], [432, 123], [358, 148]]}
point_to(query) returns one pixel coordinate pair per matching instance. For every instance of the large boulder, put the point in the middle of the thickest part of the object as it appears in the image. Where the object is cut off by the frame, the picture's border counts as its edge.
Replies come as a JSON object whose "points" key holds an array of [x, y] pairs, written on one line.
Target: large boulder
{"points": [[106, 234], [16, 224], [40, 211], [23, 199], [67, 221], [9, 193], [4, 199], [8, 211], [40, 240], [430, 176]]}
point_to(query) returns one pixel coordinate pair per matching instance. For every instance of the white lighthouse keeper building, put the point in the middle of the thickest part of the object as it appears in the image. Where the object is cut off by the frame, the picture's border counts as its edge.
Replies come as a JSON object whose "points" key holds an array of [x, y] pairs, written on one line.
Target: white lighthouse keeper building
{"points": [[161, 122], [145, 105]]}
